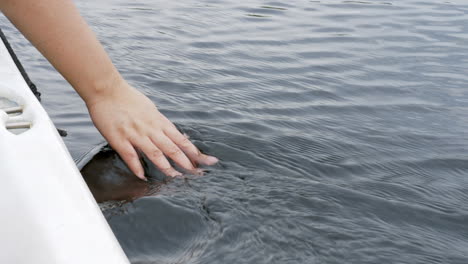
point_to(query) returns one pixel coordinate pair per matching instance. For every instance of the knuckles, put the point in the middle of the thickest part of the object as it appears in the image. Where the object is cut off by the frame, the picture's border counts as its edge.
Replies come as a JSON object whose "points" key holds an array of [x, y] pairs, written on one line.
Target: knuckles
{"points": [[155, 154], [129, 154], [185, 143], [126, 128], [174, 152]]}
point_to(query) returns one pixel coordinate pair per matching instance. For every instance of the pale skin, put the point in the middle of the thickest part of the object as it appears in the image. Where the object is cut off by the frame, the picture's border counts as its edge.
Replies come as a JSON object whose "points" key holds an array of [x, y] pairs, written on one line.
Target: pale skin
{"points": [[127, 119]]}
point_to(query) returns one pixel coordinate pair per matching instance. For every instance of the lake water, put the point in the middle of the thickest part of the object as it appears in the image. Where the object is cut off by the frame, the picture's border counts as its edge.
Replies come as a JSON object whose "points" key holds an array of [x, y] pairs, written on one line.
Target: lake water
{"points": [[342, 128]]}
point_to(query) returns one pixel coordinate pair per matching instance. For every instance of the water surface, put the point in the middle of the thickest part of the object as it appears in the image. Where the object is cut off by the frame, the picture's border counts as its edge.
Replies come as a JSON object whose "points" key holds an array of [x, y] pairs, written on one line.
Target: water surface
{"points": [[341, 127]]}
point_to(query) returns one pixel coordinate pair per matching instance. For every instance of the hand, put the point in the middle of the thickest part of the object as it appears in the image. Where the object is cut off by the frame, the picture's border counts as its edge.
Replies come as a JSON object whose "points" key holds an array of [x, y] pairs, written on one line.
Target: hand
{"points": [[130, 122], [126, 118]]}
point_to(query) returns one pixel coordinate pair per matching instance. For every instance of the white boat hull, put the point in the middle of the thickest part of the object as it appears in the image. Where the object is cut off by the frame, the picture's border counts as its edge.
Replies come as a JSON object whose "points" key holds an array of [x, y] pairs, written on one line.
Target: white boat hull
{"points": [[48, 213]]}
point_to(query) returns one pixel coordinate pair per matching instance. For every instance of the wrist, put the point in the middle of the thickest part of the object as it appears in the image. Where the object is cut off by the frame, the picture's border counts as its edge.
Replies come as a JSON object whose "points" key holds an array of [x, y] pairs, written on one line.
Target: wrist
{"points": [[102, 88]]}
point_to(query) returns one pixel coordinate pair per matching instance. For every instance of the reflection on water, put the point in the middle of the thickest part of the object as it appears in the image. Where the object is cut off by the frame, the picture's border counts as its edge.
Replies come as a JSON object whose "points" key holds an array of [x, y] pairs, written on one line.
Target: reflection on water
{"points": [[109, 179], [341, 127]]}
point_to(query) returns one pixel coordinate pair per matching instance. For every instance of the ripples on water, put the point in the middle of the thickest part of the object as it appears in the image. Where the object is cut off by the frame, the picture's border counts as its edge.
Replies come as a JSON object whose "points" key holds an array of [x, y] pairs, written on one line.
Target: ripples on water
{"points": [[341, 126]]}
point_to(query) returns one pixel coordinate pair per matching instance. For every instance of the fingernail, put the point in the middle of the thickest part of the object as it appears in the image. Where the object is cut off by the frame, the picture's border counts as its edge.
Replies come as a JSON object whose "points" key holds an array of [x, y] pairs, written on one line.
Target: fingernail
{"points": [[210, 160], [141, 175]]}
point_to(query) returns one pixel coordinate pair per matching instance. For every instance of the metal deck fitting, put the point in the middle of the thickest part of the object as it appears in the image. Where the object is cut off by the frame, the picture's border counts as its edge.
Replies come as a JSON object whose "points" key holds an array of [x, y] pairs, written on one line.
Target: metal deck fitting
{"points": [[13, 110], [18, 125]]}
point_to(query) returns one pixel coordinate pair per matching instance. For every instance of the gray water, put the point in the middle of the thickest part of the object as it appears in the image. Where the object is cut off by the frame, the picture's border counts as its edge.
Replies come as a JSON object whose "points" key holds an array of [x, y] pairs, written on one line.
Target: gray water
{"points": [[341, 127]]}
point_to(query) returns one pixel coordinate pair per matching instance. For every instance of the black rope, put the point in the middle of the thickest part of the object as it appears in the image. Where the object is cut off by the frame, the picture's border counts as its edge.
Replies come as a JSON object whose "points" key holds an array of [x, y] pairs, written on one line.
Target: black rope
{"points": [[31, 85]]}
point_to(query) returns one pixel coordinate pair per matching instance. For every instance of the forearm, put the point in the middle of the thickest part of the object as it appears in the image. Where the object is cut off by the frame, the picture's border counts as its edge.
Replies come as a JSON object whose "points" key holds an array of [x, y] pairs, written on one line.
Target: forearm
{"points": [[125, 117], [57, 30]]}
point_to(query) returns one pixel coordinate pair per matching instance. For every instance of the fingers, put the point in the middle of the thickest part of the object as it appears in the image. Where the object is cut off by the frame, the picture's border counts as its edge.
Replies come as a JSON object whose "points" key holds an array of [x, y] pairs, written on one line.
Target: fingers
{"points": [[186, 146], [156, 156], [172, 151], [130, 157], [158, 147]]}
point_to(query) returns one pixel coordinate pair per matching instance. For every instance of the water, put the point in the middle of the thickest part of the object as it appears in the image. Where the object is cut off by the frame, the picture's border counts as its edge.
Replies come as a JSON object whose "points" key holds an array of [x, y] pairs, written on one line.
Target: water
{"points": [[341, 127]]}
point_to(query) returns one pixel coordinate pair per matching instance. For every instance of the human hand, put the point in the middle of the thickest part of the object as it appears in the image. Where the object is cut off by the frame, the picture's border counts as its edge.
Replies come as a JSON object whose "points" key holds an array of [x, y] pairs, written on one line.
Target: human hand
{"points": [[130, 122]]}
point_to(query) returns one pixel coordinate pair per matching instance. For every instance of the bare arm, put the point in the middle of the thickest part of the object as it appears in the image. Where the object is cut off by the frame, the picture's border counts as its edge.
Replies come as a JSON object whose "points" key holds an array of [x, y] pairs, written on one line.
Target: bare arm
{"points": [[126, 118], [62, 36]]}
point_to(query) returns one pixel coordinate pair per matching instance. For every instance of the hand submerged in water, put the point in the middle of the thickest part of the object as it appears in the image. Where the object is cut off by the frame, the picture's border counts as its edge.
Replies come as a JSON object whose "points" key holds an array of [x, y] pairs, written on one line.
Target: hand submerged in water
{"points": [[130, 121], [125, 117]]}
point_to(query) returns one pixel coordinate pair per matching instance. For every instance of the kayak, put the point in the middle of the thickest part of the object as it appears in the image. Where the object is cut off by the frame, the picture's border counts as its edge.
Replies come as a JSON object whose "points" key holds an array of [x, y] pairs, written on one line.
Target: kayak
{"points": [[48, 213]]}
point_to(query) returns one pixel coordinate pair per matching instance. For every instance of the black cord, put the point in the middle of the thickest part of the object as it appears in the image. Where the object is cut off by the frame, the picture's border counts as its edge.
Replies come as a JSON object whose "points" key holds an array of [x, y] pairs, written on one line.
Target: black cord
{"points": [[31, 85]]}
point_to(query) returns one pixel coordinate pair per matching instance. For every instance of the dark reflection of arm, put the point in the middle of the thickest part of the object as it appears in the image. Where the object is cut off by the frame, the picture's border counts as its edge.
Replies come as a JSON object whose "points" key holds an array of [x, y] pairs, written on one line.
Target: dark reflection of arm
{"points": [[109, 178]]}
